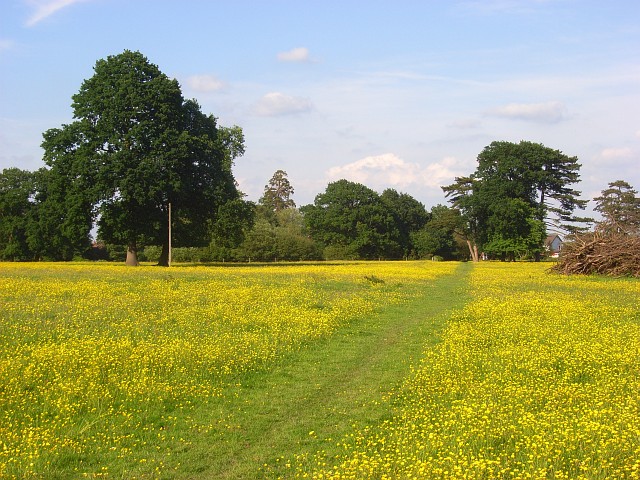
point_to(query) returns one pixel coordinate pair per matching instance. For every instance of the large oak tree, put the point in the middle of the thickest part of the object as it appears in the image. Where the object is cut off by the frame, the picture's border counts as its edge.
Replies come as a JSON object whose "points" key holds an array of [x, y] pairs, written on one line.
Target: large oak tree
{"points": [[136, 146]]}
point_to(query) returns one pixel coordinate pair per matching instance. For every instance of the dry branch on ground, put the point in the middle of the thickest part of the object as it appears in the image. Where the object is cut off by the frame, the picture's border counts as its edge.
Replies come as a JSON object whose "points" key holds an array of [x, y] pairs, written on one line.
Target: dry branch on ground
{"points": [[615, 255]]}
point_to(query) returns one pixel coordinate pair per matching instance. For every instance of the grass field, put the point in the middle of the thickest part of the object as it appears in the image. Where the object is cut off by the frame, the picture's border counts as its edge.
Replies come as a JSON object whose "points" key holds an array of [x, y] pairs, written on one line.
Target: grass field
{"points": [[364, 370]]}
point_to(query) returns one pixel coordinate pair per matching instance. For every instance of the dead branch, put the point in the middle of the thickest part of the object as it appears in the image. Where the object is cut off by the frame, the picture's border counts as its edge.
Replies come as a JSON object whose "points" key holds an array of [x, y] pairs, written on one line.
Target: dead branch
{"points": [[612, 254]]}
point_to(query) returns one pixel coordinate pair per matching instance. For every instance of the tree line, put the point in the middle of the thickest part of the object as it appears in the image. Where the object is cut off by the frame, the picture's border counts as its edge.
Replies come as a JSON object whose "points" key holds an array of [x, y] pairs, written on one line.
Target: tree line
{"points": [[136, 146]]}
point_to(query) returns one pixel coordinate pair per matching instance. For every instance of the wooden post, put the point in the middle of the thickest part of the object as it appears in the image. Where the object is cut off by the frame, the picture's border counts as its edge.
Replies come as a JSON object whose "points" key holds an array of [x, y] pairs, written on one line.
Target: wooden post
{"points": [[169, 259]]}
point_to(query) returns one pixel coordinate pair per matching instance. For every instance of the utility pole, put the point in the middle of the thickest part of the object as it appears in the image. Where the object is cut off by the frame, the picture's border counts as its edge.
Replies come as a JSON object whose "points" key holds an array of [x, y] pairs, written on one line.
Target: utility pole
{"points": [[169, 259]]}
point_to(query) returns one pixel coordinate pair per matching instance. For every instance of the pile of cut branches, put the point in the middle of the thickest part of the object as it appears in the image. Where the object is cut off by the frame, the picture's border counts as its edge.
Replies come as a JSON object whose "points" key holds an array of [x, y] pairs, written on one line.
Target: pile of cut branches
{"points": [[616, 255]]}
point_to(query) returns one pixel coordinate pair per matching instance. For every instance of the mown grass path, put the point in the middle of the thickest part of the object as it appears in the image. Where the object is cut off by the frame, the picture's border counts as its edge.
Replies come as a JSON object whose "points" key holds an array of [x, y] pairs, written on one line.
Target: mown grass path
{"points": [[311, 399]]}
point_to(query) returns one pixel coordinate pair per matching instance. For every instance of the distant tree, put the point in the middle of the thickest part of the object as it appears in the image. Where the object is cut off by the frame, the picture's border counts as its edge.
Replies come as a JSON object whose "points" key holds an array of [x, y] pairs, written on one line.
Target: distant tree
{"points": [[292, 239], [441, 235], [280, 236], [234, 220], [409, 216], [619, 205], [513, 230], [352, 219], [60, 227], [514, 180], [277, 193], [465, 197], [260, 242], [135, 147], [17, 192]]}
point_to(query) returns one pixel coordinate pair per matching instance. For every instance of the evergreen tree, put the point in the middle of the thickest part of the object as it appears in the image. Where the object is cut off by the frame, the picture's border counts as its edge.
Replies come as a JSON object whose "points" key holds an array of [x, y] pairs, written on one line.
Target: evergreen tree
{"points": [[277, 193], [619, 205], [517, 191]]}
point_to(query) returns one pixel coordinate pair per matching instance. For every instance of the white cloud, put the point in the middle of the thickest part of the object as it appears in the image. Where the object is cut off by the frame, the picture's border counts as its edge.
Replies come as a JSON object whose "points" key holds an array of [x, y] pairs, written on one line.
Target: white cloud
{"points": [[205, 83], [46, 8], [548, 112], [299, 54], [276, 104], [616, 153], [620, 160], [388, 170]]}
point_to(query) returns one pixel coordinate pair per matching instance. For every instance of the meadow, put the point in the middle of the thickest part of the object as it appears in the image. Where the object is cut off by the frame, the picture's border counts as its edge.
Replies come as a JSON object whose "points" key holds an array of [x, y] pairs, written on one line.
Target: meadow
{"points": [[111, 371], [361, 370], [536, 377]]}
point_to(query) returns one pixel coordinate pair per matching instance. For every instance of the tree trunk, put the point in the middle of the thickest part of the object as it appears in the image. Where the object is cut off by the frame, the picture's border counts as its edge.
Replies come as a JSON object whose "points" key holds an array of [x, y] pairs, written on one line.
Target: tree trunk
{"points": [[473, 250], [132, 255], [163, 261]]}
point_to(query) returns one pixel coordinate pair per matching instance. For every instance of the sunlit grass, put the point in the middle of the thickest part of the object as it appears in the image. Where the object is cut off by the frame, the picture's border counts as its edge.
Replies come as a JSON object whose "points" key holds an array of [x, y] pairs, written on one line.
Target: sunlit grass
{"points": [[102, 367], [537, 377]]}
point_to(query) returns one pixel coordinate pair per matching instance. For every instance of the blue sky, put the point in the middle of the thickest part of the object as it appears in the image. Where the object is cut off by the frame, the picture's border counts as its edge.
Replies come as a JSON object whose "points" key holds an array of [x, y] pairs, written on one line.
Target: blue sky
{"points": [[392, 94]]}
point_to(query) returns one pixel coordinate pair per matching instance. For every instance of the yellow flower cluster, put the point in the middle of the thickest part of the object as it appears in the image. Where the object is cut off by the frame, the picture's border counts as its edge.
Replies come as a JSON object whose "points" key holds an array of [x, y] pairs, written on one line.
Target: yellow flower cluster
{"points": [[93, 358], [537, 377]]}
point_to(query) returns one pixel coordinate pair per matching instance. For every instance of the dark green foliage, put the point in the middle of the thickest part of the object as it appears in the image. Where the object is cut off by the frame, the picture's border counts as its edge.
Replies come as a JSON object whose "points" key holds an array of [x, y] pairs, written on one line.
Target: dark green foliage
{"points": [[516, 191], [234, 220], [619, 205], [62, 218], [260, 242], [135, 147], [353, 219], [439, 237], [279, 232], [409, 216], [17, 190]]}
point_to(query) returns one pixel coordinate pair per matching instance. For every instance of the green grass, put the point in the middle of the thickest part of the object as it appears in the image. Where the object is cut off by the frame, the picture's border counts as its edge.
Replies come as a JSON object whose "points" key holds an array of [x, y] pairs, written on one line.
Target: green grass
{"points": [[367, 370], [203, 372], [310, 400]]}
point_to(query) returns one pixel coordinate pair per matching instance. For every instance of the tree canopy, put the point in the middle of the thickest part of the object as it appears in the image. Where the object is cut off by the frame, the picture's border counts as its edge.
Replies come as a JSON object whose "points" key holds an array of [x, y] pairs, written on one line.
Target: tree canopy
{"points": [[352, 221], [619, 205], [278, 192], [17, 191], [516, 192], [135, 147]]}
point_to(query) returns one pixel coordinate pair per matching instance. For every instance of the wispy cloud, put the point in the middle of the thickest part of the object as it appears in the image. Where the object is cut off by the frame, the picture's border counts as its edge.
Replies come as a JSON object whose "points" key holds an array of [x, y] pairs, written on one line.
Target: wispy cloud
{"points": [[300, 54], [465, 123], [389, 170], [616, 153], [622, 160], [5, 44], [548, 112], [276, 104], [46, 8], [205, 83]]}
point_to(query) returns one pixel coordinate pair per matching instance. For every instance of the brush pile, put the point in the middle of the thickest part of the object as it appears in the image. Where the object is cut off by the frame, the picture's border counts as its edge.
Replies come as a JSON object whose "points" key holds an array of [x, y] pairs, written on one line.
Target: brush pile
{"points": [[616, 255]]}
